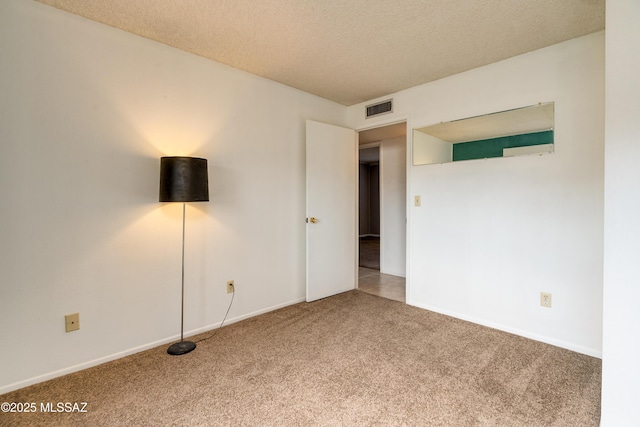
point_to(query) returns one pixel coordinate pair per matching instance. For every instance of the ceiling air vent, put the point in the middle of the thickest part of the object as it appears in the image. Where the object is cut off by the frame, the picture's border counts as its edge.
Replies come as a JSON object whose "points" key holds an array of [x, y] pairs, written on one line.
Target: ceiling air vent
{"points": [[383, 107]]}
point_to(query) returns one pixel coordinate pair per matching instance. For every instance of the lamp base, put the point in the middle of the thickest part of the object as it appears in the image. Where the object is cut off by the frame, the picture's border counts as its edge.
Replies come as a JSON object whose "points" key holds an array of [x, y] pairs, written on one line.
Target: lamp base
{"points": [[181, 347]]}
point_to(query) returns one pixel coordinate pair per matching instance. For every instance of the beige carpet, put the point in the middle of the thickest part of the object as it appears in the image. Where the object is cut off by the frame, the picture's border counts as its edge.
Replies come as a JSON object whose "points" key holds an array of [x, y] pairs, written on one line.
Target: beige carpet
{"points": [[350, 360]]}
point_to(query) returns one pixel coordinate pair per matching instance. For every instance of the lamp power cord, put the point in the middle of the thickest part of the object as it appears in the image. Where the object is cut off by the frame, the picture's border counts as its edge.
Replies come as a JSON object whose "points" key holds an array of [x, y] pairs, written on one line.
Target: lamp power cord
{"points": [[233, 294]]}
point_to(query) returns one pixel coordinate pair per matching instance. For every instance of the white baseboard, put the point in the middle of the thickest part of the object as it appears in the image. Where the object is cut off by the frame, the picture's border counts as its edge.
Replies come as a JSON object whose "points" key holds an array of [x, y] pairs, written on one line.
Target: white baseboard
{"points": [[239, 318], [121, 354], [394, 273], [547, 340]]}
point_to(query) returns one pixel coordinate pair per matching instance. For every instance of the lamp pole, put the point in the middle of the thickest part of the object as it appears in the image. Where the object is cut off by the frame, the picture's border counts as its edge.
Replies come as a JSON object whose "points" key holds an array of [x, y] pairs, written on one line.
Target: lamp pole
{"points": [[182, 346], [184, 207]]}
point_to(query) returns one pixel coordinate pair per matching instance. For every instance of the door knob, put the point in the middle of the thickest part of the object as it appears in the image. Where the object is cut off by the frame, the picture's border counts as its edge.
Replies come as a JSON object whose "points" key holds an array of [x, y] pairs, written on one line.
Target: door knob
{"points": [[313, 220]]}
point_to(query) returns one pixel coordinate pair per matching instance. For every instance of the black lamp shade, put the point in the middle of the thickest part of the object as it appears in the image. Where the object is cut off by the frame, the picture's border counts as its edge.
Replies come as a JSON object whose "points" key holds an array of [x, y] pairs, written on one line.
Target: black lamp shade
{"points": [[183, 179]]}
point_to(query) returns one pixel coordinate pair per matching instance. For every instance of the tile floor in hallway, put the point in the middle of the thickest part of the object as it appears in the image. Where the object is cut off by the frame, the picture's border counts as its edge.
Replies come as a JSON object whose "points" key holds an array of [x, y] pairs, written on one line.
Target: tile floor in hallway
{"points": [[384, 285]]}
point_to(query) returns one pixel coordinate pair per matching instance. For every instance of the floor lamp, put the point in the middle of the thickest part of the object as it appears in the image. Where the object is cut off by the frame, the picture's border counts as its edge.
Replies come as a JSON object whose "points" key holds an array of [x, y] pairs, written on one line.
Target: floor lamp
{"points": [[183, 179]]}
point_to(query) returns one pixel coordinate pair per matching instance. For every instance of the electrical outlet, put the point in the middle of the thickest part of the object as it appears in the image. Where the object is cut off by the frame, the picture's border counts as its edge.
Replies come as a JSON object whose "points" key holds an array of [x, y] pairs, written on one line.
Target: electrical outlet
{"points": [[230, 287], [72, 322], [545, 299]]}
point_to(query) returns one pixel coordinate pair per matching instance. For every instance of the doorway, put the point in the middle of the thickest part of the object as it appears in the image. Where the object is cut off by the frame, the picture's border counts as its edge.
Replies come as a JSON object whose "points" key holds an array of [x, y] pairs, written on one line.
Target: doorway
{"points": [[382, 211], [369, 207]]}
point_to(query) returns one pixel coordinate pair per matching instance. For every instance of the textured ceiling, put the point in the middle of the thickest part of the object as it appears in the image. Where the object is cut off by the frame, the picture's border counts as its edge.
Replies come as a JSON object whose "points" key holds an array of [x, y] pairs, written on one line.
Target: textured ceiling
{"points": [[350, 51]]}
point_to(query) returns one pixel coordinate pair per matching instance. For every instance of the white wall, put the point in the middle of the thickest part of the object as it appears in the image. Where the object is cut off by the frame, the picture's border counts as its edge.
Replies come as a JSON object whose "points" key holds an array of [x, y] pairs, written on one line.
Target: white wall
{"points": [[621, 343], [427, 149], [492, 234], [393, 177], [86, 111]]}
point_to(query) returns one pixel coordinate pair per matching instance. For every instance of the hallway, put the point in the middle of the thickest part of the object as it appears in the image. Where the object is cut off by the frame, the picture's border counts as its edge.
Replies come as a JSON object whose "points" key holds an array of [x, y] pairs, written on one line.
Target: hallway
{"points": [[384, 285]]}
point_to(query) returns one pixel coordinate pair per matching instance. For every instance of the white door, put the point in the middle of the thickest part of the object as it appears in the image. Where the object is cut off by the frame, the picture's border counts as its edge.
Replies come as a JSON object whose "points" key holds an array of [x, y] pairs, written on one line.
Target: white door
{"points": [[331, 210]]}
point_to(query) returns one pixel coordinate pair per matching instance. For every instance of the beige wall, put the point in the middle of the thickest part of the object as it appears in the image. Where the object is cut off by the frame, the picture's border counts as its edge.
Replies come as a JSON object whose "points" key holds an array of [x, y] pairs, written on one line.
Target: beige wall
{"points": [[621, 339], [86, 111], [393, 188], [492, 234]]}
